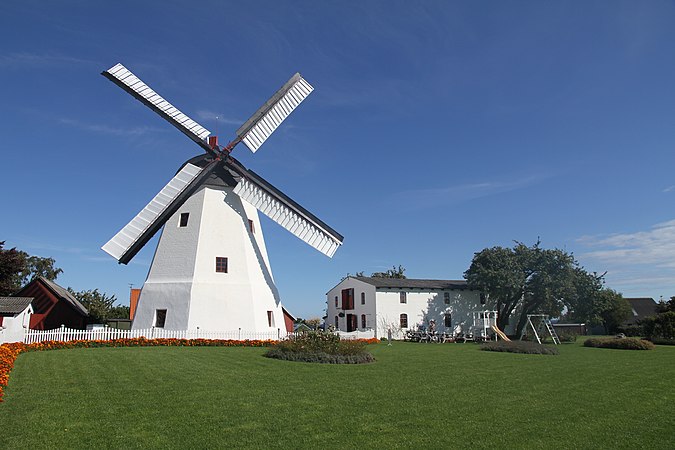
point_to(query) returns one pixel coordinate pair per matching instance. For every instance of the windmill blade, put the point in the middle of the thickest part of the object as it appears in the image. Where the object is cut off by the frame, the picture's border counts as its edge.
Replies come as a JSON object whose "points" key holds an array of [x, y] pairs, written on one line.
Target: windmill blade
{"points": [[130, 239], [123, 77], [284, 211], [262, 124]]}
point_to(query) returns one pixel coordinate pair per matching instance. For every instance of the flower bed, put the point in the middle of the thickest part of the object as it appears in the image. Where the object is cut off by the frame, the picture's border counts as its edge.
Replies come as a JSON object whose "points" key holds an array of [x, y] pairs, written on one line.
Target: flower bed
{"points": [[320, 347], [619, 343], [9, 352], [527, 347]]}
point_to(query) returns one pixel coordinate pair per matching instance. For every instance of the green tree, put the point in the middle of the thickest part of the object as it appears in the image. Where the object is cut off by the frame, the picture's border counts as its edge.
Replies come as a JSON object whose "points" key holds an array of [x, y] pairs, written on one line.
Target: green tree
{"points": [[37, 266], [529, 280], [394, 272], [613, 309], [665, 306], [12, 265], [99, 304]]}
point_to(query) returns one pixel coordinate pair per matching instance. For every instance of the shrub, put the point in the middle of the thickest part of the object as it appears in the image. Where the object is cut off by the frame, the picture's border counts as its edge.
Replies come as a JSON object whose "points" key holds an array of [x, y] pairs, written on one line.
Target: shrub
{"points": [[321, 347], [660, 326], [631, 330], [662, 341], [567, 336], [527, 347], [619, 343]]}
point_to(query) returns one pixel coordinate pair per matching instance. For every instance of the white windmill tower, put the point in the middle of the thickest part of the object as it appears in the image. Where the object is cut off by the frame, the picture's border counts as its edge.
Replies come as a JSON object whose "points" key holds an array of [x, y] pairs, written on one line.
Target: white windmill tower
{"points": [[211, 270]]}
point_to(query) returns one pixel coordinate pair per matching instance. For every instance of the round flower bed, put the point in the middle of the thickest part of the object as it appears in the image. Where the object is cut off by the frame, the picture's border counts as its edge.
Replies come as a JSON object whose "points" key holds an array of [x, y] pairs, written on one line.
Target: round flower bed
{"points": [[319, 347], [530, 348]]}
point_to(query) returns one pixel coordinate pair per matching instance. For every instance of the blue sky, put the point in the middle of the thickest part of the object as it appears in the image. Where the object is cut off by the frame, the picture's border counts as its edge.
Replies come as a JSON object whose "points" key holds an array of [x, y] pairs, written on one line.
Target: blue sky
{"points": [[436, 129]]}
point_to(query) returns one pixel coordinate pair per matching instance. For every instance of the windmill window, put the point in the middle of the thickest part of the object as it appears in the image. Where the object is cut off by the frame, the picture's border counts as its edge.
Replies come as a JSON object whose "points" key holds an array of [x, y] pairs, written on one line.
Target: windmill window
{"points": [[446, 298], [251, 226], [336, 322], [336, 301], [221, 264], [363, 298], [404, 297], [160, 318], [403, 322], [270, 318], [183, 220], [448, 320], [363, 320]]}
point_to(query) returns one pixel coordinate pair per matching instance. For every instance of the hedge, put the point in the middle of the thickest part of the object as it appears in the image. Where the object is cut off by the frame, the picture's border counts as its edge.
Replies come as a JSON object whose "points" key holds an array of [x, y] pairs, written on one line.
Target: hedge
{"points": [[527, 347], [628, 343]]}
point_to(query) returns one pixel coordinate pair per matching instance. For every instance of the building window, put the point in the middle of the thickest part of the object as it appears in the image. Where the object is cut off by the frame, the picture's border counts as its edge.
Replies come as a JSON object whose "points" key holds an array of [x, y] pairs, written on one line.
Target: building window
{"points": [[160, 318], [251, 226], [448, 320], [348, 299], [336, 301], [183, 219], [482, 298], [363, 298], [404, 297], [404, 321], [270, 319], [221, 264], [363, 321], [336, 322], [446, 298]]}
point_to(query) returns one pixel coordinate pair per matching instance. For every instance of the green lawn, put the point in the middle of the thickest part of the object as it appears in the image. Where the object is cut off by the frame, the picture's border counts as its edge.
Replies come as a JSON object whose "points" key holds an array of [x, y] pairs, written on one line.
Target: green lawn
{"points": [[415, 395]]}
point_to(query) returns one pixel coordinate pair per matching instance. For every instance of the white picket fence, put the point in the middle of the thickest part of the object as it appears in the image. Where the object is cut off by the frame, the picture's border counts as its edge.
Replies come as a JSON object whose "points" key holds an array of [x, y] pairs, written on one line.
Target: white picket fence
{"points": [[368, 333], [107, 334]]}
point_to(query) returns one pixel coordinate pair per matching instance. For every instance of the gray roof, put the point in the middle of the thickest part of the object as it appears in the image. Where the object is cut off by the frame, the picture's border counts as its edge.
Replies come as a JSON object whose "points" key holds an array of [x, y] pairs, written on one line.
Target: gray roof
{"points": [[64, 294], [644, 307], [411, 283], [14, 305]]}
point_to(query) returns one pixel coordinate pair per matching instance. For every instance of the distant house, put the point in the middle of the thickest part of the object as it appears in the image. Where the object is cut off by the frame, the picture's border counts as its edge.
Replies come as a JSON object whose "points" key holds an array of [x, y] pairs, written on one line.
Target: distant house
{"points": [[641, 308], [15, 313], [53, 306], [365, 303]]}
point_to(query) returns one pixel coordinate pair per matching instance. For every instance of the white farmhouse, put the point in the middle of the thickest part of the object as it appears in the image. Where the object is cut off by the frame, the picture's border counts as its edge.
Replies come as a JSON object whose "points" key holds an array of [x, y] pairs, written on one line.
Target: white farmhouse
{"points": [[380, 304]]}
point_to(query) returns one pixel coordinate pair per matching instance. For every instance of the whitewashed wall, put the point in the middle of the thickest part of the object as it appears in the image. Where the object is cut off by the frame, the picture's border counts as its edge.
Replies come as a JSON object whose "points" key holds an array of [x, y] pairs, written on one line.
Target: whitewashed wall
{"points": [[183, 280], [14, 328], [423, 306], [368, 309]]}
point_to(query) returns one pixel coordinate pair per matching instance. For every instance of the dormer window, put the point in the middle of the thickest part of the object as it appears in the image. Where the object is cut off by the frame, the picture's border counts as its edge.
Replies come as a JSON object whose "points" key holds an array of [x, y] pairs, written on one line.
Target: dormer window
{"points": [[182, 223]]}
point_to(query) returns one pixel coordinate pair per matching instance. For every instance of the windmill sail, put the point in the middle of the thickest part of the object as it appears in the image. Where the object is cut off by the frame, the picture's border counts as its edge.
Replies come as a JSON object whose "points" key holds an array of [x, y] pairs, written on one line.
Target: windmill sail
{"points": [[123, 77], [262, 124], [130, 239], [284, 211]]}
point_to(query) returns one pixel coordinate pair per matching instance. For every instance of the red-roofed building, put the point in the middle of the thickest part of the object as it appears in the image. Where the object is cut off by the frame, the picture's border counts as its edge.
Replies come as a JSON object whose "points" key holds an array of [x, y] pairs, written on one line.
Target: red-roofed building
{"points": [[53, 306]]}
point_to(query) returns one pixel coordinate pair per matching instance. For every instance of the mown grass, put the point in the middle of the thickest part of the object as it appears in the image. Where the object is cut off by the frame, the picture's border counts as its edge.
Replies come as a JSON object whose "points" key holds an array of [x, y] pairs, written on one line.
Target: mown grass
{"points": [[414, 395]]}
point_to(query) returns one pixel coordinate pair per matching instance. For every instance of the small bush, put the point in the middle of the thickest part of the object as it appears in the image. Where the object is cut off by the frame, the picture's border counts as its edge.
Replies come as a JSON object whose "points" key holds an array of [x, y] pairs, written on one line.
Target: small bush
{"points": [[619, 343], [660, 326], [631, 330], [530, 348], [320, 347], [567, 336], [662, 341]]}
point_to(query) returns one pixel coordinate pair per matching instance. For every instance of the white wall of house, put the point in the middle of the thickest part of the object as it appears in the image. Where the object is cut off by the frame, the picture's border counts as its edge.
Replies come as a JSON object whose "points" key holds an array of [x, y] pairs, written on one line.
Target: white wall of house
{"points": [[363, 291], [14, 327], [423, 306], [183, 278], [383, 308]]}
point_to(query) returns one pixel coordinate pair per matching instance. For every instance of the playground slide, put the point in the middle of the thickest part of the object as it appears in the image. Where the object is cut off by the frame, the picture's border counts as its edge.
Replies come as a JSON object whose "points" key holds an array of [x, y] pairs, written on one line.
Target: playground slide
{"points": [[500, 333]]}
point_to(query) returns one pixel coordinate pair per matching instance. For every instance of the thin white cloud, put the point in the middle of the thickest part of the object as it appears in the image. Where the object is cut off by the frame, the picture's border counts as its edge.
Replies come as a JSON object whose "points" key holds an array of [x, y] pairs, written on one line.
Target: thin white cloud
{"points": [[32, 60], [106, 129], [214, 117], [434, 197], [669, 188], [655, 246], [639, 263]]}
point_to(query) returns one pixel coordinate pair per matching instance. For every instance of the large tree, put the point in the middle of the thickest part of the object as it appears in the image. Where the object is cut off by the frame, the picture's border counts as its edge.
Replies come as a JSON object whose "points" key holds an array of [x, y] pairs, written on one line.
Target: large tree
{"points": [[99, 304], [12, 265], [18, 268], [530, 280]]}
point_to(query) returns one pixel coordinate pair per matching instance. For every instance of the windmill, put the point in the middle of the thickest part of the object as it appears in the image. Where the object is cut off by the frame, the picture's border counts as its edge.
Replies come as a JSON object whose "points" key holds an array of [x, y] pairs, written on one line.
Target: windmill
{"points": [[210, 269]]}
